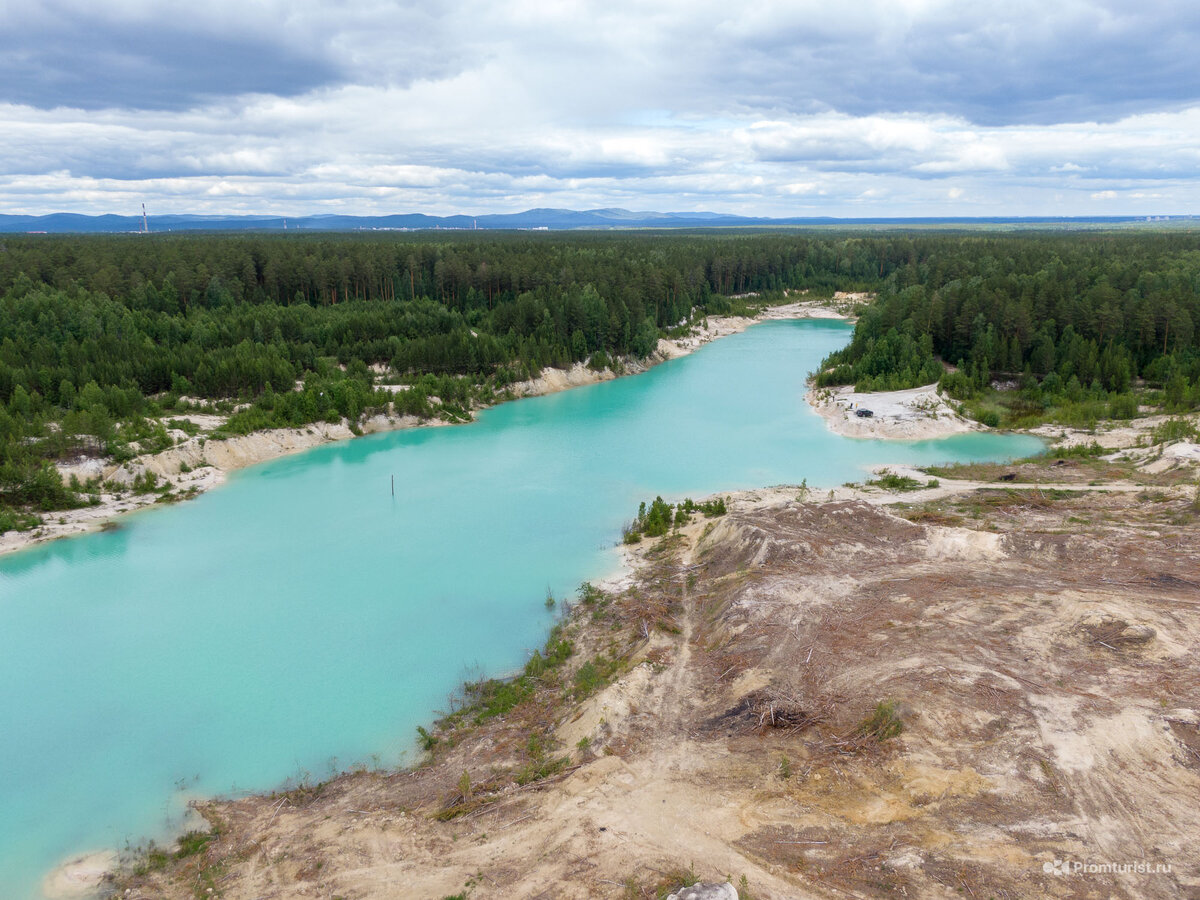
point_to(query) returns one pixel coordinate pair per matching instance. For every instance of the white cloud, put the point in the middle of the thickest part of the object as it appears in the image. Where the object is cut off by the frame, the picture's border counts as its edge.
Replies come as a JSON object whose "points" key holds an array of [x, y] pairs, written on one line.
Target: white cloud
{"points": [[476, 106]]}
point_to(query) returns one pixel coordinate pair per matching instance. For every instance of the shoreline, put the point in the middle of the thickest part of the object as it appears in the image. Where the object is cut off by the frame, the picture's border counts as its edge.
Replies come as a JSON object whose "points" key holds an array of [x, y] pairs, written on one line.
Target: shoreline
{"points": [[82, 873], [915, 414], [644, 749], [632, 561], [198, 464]]}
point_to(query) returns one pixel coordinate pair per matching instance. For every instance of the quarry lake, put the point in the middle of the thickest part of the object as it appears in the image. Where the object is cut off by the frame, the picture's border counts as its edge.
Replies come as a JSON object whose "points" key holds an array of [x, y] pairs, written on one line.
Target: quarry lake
{"points": [[301, 618]]}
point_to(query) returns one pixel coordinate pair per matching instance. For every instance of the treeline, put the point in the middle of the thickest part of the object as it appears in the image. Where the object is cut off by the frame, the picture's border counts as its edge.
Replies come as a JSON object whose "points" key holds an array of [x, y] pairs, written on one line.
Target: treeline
{"points": [[657, 275], [101, 337], [232, 315], [1074, 320], [104, 336]]}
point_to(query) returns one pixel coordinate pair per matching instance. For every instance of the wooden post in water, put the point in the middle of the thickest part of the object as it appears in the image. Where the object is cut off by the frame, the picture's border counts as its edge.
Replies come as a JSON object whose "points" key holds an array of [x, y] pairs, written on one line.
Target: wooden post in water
{"points": [[393, 485]]}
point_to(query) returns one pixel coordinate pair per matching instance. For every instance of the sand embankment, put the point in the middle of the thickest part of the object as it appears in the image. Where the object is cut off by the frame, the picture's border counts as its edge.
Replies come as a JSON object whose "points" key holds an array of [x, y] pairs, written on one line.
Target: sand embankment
{"points": [[720, 326], [190, 468]]}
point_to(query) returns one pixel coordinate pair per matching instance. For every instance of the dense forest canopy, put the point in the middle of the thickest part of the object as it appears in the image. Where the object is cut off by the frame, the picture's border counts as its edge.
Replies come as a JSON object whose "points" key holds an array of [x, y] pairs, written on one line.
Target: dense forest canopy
{"points": [[104, 336], [1075, 320], [413, 303], [101, 336]]}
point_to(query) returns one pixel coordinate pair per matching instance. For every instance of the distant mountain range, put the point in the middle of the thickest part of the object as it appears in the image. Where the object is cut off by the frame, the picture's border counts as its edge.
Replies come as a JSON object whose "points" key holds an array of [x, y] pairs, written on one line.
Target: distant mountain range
{"points": [[547, 219]]}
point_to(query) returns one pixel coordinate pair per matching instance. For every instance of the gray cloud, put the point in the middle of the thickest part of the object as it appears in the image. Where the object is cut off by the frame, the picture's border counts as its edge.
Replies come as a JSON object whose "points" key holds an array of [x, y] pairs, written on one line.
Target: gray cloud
{"points": [[784, 107], [1016, 62], [93, 64]]}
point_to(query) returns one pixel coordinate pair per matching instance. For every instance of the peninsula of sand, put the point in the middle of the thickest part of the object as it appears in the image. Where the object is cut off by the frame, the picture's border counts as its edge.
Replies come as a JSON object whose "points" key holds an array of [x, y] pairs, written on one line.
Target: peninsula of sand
{"points": [[916, 414]]}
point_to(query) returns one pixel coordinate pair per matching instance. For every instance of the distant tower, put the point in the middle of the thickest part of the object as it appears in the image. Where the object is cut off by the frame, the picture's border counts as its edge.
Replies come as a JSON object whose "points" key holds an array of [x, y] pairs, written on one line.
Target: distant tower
{"points": [[145, 225]]}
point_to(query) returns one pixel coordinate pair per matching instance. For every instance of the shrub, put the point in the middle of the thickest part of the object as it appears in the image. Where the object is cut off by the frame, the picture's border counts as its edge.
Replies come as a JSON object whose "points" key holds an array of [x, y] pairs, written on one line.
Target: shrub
{"points": [[882, 724], [1078, 451], [1123, 406], [890, 481], [1173, 430], [193, 842]]}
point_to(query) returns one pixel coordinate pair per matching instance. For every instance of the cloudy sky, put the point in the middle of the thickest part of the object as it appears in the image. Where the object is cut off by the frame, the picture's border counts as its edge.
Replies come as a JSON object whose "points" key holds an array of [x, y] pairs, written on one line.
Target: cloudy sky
{"points": [[804, 107]]}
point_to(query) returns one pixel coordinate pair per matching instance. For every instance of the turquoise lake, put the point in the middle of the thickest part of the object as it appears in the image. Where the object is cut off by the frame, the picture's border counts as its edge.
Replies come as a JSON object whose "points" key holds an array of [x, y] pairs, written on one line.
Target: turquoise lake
{"points": [[301, 619]]}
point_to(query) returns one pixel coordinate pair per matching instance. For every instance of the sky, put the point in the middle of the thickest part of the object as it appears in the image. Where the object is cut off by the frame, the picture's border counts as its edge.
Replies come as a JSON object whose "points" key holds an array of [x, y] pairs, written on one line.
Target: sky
{"points": [[802, 108]]}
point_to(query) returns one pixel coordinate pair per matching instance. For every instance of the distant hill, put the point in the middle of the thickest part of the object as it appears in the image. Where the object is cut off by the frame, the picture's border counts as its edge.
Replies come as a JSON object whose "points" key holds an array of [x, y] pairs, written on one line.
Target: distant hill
{"points": [[549, 219]]}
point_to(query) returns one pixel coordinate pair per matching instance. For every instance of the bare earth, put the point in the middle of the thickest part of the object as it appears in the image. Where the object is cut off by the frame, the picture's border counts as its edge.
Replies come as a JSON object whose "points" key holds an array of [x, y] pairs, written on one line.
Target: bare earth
{"points": [[1128, 441], [210, 461], [1037, 645]]}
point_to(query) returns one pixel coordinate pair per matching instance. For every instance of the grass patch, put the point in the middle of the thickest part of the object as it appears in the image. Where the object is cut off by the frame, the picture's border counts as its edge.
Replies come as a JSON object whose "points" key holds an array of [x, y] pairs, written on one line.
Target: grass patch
{"points": [[153, 858], [194, 842], [1075, 408], [662, 885], [1005, 498], [491, 697], [929, 515], [593, 675], [1078, 451], [890, 481], [17, 520], [541, 764], [1153, 497]]}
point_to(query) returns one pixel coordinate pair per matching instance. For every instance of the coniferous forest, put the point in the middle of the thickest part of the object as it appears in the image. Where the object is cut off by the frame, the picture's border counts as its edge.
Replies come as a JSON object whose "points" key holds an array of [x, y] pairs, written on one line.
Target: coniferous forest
{"points": [[102, 337]]}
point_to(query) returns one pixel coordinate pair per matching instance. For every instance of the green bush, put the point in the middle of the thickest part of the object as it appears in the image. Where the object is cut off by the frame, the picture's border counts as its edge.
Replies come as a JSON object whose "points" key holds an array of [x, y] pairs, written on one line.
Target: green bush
{"points": [[890, 481], [882, 724], [1078, 451], [15, 520], [1123, 406], [1173, 430], [194, 842]]}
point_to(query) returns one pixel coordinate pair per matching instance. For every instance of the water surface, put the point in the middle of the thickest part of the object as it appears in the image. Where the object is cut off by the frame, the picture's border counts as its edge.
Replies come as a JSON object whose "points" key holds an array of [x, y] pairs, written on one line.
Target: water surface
{"points": [[301, 618]]}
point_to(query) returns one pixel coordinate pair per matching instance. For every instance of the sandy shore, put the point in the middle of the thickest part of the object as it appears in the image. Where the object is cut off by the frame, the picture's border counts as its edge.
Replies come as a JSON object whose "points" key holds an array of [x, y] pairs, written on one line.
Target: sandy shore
{"points": [[198, 463], [916, 414], [80, 876]]}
